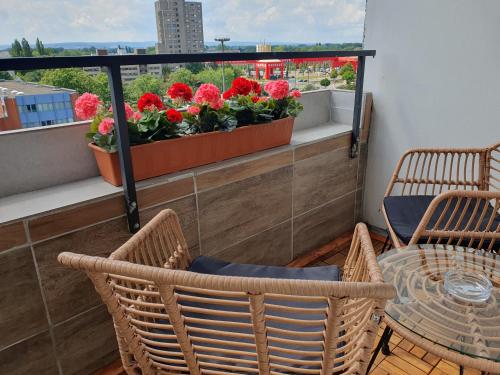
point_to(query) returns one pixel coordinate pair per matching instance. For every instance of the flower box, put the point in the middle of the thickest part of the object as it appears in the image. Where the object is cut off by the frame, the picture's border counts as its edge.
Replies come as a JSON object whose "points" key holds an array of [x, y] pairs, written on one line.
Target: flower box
{"points": [[168, 156]]}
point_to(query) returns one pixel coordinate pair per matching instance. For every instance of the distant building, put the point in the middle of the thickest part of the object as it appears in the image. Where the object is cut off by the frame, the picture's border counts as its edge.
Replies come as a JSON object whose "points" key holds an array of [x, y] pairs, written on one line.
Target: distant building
{"points": [[264, 47], [180, 26], [29, 105], [129, 72]]}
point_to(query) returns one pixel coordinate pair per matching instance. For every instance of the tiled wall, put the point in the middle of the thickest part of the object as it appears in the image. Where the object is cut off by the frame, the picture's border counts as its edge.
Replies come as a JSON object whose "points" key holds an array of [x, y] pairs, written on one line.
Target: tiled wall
{"points": [[268, 208]]}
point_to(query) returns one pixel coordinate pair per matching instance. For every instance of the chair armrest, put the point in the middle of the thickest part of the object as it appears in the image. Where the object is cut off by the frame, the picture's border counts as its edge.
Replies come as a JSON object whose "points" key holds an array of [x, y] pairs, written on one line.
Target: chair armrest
{"points": [[430, 171], [159, 243], [463, 218], [361, 264]]}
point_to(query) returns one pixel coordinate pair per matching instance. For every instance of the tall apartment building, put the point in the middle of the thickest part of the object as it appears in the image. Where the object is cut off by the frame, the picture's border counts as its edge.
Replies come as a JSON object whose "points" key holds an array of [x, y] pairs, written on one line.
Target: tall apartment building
{"points": [[29, 105], [129, 72], [180, 26]]}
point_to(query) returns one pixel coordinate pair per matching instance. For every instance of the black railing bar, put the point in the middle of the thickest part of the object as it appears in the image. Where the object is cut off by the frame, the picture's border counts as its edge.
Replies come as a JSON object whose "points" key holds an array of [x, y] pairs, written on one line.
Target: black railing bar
{"points": [[358, 101], [124, 153], [28, 63]]}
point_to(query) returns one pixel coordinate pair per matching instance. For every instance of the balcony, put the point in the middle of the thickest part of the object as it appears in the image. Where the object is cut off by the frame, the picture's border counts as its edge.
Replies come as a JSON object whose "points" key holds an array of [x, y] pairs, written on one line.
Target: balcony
{"points": [[295, 205]]}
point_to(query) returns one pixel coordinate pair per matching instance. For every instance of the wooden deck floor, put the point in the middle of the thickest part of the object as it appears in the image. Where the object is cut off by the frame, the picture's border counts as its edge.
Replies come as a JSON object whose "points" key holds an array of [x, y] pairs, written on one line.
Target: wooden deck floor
{"points": [[405, 358]]}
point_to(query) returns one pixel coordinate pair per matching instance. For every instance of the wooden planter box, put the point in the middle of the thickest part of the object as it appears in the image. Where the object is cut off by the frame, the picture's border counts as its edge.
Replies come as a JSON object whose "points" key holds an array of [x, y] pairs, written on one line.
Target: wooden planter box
{"points": [[162, 157]]}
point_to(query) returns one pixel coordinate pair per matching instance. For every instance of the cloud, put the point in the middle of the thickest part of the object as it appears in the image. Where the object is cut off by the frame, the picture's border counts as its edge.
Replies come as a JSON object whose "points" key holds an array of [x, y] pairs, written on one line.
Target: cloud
{"points": [[134, 20]]}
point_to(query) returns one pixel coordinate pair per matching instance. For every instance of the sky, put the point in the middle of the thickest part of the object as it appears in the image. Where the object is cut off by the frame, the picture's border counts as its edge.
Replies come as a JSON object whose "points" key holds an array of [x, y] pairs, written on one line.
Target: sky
{"points": [[298, 21]]}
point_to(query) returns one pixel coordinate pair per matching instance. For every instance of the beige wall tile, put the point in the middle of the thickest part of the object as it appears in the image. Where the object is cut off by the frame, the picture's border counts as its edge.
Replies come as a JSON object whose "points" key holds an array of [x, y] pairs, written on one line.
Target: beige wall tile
{"points": [[222, 176], [22, 313], [316, 148], [323, 178], [185, 208], [69, 292], [12, 235], [32, 356], [320, 226], [241, 209], [86, 343], [271, 248], [77, 217], [164, 192]]}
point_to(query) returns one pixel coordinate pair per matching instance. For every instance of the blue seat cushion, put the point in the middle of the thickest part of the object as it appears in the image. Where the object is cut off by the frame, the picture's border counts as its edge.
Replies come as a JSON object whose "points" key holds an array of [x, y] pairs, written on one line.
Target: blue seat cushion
{"points": [[405, 213], [213, 266]]}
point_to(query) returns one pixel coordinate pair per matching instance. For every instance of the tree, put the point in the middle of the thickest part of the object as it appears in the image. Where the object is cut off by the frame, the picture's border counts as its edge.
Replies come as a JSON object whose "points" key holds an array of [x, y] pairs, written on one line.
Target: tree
{"points": [[181, 75], [195, 67], [325, 82], [40, 48], [334, 74], [30, 75], [27, 52], [346, 68], [73, 78], [16, 49], [309, 87], [101, 87], [5, 75], [215, 76], [142, 84]]}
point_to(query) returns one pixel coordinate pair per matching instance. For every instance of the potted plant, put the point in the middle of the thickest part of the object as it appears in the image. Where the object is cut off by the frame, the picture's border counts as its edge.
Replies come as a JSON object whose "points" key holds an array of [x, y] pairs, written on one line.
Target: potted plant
{"points": [[211, 127]]}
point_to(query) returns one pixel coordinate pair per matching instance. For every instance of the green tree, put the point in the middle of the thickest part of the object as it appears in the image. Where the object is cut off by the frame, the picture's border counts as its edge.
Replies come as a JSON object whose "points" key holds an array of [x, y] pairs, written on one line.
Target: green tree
{"points": [[349, 77], [142, 84], [325, 82], [100, 87], [215, 76], [309, 87], [5, 75], [181, 75], [334, 74], [72, 78], [195, 67], [16, 49], [346, 68], [27, 52], [40, 48], [30, 75]]}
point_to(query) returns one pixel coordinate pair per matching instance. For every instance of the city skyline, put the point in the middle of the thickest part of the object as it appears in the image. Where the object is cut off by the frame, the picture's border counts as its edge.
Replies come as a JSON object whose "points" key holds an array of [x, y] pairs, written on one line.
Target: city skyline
{"points": [[332, 21]]}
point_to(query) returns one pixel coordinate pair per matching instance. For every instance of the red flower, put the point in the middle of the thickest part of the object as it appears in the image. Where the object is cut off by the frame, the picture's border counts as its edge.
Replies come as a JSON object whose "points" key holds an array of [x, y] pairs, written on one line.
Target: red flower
{"points": [[242, 86], [149, 101], [180, 91], [228, 94], [254, 99], [174, 116], [256, 88]]}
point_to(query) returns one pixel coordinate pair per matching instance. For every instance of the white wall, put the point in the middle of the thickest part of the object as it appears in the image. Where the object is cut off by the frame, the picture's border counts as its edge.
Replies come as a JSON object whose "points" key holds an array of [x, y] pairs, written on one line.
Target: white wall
{"points": [[435, 81]]}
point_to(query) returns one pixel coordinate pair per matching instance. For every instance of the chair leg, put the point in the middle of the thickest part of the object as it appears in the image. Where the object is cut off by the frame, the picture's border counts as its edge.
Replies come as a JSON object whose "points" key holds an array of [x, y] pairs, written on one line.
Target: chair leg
{"points": [[387, 244], [385, 346], [385, 338], [461, 370]]}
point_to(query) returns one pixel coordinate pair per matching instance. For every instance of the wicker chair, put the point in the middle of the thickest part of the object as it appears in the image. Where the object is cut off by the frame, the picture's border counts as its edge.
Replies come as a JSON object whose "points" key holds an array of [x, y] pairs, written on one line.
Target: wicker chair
{"points": [[445, 196], [171, 320]]}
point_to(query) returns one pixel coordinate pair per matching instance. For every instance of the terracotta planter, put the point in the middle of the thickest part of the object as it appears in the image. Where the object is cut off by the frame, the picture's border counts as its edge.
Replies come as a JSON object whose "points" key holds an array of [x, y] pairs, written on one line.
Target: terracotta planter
{"points": [[162, 157]]}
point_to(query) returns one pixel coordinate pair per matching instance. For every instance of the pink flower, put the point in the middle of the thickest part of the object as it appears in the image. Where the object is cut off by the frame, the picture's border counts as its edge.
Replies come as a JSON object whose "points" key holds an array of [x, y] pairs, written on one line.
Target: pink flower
{"points": [[277, 89], [218, 104], [86, 106], [295, 94], [137, 116], [207, 93], [129, 112], [106, 126], [193, 110], [263, 99]]}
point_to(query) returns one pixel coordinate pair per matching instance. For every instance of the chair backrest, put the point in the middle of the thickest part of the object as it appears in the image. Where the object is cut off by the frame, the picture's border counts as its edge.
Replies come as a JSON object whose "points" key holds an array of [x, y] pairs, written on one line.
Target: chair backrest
{"points": [[169, 320], [462, 218], [493, 168]]}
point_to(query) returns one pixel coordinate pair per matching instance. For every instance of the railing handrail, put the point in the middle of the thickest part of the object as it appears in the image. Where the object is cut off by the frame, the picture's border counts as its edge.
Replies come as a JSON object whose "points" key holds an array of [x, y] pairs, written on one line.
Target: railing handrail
{"points": [[28, 63]]}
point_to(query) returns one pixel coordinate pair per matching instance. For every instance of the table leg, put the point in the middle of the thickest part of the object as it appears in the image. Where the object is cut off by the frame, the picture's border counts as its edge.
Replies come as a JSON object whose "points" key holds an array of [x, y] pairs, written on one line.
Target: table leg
{"points": [[385, 345], [385, 338], [461, 370]]}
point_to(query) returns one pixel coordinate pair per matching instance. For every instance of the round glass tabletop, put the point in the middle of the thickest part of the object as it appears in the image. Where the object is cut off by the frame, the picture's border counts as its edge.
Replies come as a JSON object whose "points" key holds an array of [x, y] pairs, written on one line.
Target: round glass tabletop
{"points": [[423, 306]]}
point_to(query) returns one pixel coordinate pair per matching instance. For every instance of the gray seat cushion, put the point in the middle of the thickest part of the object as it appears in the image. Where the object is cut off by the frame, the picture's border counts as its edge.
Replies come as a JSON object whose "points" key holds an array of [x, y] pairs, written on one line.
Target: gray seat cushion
{"points": [[213, 266]]}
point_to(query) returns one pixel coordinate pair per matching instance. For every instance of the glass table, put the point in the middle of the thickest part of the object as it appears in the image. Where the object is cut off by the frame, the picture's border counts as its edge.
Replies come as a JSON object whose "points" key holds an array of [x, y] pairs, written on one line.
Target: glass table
{"points": [[425, 313]]}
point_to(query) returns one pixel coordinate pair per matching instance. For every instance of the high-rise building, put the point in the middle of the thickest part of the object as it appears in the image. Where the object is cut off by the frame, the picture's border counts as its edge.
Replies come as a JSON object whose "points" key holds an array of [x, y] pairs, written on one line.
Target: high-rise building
{"points": [[180, 26], [263, 47]]}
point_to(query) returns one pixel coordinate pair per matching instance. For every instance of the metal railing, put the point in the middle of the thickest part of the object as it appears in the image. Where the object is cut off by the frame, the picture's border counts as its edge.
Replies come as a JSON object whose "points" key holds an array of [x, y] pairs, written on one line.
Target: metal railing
{"points": [[113, 64]]}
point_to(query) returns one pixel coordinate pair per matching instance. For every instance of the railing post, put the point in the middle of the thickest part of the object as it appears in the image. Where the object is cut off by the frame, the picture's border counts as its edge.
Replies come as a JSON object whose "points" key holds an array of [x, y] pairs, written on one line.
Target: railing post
{"points": [[358, 101], [122, 140]]}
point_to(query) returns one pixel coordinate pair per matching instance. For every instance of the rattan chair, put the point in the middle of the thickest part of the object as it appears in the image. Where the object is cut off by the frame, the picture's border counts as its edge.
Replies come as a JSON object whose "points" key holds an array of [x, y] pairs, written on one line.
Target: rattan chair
{"points": [[170, 320], [445, 196]]}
